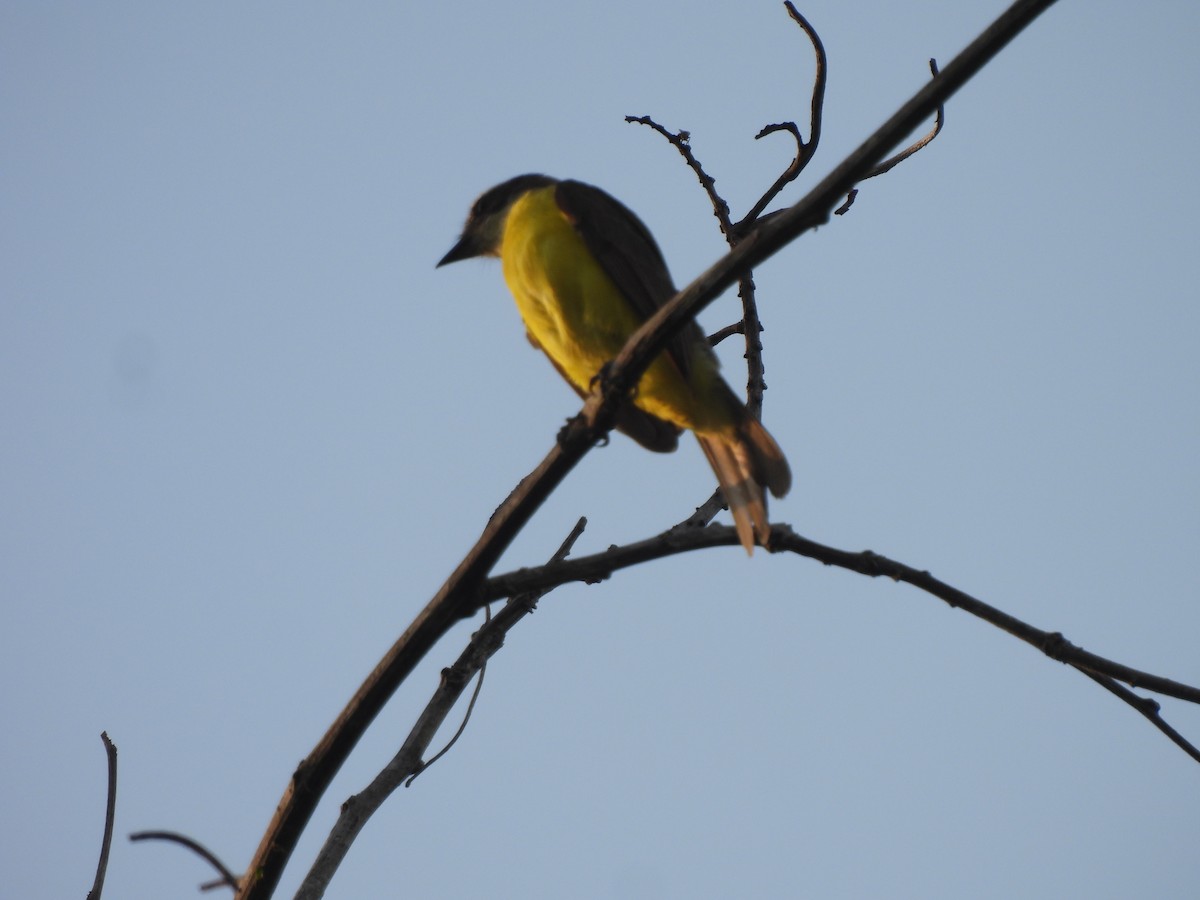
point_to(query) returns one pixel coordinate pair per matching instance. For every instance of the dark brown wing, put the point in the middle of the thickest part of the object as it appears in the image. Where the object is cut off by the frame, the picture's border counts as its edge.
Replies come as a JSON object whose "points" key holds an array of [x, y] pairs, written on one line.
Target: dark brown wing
{"points": [[628, 254]]}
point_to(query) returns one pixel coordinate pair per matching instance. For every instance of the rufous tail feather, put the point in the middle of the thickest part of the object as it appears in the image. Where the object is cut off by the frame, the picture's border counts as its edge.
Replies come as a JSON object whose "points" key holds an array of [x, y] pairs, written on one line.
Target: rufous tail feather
{"points": [[744, 460]]}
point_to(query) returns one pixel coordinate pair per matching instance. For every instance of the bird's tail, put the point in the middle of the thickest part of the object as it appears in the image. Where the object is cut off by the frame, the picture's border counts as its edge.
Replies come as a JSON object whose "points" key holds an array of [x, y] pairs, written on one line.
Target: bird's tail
{"points": [[746, 459]]}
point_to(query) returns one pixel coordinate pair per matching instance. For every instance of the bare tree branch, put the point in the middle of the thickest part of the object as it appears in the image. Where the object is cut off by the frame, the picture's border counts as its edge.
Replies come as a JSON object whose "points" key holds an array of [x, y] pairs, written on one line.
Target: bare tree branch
{"points": [[600, 566], [110, 814], [460, 592]]}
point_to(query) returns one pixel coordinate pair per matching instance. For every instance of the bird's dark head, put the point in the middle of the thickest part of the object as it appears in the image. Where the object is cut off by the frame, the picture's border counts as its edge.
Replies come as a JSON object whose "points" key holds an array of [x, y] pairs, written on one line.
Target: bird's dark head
{"points": [[484, 229]]}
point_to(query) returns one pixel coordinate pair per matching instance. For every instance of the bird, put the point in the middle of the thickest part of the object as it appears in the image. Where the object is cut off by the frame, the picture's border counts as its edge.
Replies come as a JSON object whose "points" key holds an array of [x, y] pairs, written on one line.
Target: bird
{"points": [[586, 273]]}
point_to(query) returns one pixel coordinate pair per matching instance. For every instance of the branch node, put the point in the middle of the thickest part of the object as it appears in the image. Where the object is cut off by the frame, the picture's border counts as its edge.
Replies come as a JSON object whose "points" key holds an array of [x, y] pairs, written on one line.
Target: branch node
{"points": [[1055, 646]]}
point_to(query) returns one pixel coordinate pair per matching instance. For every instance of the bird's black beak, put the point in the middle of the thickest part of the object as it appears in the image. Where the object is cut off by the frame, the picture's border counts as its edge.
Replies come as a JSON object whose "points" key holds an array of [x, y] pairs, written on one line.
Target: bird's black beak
{"points": [[464, 249]]}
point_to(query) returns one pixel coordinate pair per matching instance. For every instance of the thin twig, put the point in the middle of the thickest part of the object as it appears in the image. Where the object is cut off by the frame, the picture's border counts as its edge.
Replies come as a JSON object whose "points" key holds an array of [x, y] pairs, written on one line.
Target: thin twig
{"points": [[462, 726], [110, 814], [227, 879], [1147, 707], [702, 515], [940, 120], [888, 164], [719, 335], [681, 141]]}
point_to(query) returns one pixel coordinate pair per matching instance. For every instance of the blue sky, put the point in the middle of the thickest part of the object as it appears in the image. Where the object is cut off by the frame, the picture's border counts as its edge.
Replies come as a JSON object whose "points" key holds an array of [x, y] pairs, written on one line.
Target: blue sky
{"points": [[251, 429]]}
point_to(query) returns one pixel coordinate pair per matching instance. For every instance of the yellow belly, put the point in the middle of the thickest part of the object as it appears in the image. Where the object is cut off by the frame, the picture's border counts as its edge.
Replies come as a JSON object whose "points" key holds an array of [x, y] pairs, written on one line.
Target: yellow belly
{"points": [[572, 309]]}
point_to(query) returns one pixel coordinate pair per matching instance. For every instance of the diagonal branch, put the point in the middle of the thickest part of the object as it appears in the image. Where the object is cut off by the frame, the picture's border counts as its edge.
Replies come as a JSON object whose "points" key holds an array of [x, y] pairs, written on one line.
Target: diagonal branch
{"points": [[460, 592], [407, 763]]}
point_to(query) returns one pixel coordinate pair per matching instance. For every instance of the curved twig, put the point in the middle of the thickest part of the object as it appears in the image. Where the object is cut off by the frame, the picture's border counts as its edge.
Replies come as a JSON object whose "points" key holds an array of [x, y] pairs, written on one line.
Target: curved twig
{"points": [[738, 327], [682, 539], [462, 726], [888, 164], [110, 814], [227, 879], [805, 150], [756, 384]]}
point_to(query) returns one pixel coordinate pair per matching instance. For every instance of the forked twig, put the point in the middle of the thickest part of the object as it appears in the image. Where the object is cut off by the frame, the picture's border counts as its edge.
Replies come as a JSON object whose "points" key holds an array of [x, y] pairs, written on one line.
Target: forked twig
{"points": [[1146, 706], [805, 150], [462, 726], [407, 764]]}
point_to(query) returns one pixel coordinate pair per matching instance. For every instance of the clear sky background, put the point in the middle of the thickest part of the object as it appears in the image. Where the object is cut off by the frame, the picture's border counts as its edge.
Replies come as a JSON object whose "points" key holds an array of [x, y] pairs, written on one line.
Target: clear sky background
{"points": [[249, 429]]}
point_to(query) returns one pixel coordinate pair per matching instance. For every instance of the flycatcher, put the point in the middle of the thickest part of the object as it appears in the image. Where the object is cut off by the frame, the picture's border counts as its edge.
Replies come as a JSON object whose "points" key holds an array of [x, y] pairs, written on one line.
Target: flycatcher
{"points": [[586, 273]]}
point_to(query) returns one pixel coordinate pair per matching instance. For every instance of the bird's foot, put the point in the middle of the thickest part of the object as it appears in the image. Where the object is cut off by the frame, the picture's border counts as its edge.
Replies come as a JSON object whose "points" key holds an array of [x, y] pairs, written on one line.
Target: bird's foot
{"points": [[564, 433]]}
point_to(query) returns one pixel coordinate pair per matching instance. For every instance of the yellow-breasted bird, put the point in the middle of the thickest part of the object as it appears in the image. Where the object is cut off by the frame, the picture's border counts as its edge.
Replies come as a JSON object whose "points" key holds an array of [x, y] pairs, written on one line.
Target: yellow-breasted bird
{"points": [[586, 273]]}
